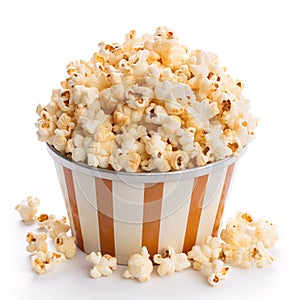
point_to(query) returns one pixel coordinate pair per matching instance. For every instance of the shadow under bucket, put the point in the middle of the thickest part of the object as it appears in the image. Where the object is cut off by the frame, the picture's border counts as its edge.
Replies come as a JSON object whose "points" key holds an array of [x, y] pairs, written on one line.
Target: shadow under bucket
{"points": [[117, 212]]}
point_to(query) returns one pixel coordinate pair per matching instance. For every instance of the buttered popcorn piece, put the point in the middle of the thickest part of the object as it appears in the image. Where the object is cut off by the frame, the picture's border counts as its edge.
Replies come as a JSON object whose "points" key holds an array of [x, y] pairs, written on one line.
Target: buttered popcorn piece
{"points": [[139, 266], [171, 262], [197, 257], [28, 208], [36, 242], [215, 271], [43, 220], [57, 226], [212, 247], [65, 244], [44, 262], [265, 232], [247, 240], [103, 265], [180, 94]]}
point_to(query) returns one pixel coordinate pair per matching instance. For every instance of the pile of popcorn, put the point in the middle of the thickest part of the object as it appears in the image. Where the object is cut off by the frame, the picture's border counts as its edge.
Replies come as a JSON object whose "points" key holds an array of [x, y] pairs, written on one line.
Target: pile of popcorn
{"points": [[243, 243], [49, 226], [147, 104]]}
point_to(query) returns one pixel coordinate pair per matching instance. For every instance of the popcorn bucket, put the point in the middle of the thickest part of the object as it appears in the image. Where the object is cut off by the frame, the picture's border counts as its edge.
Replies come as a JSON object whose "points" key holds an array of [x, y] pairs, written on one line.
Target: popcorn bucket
{"points": [[117, 212]]}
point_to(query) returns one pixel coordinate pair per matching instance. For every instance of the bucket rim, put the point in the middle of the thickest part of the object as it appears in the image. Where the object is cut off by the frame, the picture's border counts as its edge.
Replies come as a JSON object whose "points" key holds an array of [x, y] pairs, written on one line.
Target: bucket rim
{"points": [[145, 177]]}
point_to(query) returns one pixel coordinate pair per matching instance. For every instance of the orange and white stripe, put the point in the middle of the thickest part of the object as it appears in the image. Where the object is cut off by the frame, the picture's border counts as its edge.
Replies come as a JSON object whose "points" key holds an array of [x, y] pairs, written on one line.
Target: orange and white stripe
{"points": [[119, 217]]}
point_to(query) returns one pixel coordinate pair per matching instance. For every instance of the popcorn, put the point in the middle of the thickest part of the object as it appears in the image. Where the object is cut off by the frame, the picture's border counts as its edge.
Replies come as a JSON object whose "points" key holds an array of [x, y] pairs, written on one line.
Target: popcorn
{"points": [[63, 100], [212, 247], [243, 243], [138, 97], [43, 220], [180, 94], [215, 271], [139, 266], [265, 232], [154, 144], [57, 226], [236, 234], [197, 257], [123, 160], [80, 147], [156, 114], [260, 256], [247, 241], [178, 159], [85, 95], [206, 260], [171, 262], [45, 124], [103, 265], [44, 262], [65, 244], [36, 242], [28, 208]]}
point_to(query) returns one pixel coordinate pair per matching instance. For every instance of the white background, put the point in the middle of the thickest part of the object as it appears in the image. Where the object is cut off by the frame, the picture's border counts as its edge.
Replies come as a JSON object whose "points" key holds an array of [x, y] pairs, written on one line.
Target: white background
{"points": [[259, 43]]}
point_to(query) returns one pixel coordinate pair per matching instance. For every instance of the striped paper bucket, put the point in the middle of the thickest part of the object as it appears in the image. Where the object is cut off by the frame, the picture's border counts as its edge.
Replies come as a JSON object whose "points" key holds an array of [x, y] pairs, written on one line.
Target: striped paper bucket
{"points": [[118, 212]]}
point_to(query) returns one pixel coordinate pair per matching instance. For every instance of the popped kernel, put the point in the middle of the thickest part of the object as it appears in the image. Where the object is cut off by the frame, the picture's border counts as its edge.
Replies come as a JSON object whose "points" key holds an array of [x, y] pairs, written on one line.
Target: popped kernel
{"points": [[28, 208], [65, 244], [57, 226], [36, 242], [44, 262], [43, 220], [215, 271], [171, 262], [265, 232], [102, 265], [139, 266]]}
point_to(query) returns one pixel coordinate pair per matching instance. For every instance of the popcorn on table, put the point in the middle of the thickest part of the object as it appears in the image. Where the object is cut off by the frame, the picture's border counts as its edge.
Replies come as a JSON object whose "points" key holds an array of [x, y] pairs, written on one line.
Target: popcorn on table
{"points": [[189, 106], [215, 271], [65, 244], [139, 266], [247, 241], [244, 242], [43, 220], [36, 242], [171, 262], [57, 226], [102, 265], [28, 208], [43, 262]]}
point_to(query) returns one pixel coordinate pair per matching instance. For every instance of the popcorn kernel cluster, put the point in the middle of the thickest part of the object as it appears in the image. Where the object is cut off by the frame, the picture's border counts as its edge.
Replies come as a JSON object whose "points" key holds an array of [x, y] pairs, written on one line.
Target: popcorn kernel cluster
{"points": [[147, 104], [244, 243], [42, 259]]}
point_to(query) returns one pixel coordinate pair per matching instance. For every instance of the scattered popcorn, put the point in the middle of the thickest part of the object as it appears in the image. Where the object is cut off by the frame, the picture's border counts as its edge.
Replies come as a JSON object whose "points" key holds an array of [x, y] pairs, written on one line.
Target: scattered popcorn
{"points": [[193, 112], [197, 257], [215, 271], [245, 243], [43, 262], [265, 232], [28, 208], [103, 265], [260, 256], [36, 242], [171, 262], [43, 220], [57, 226], [65, 244], [247, 240], [206, 260], [212, 247], [139, 266]]}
